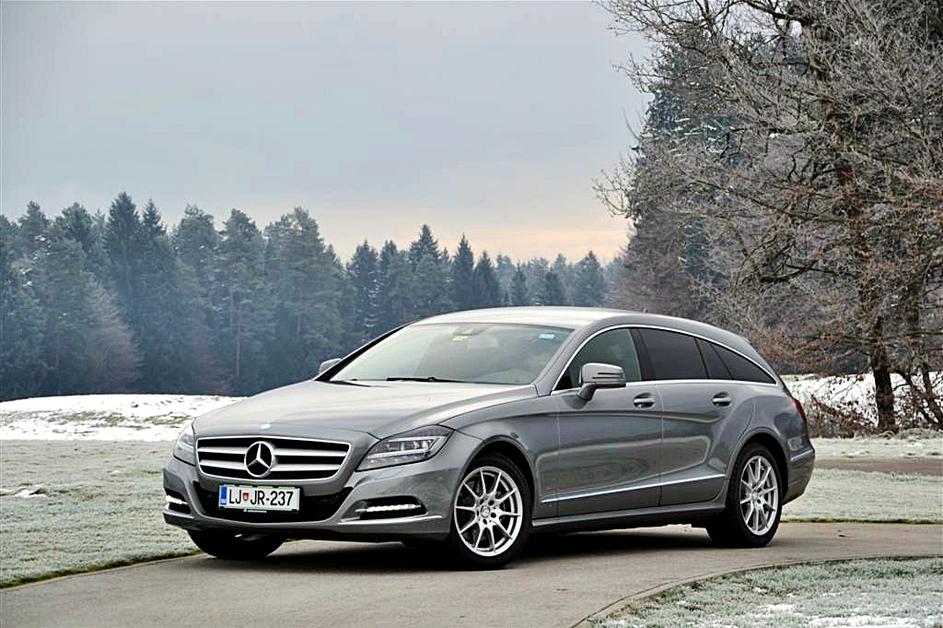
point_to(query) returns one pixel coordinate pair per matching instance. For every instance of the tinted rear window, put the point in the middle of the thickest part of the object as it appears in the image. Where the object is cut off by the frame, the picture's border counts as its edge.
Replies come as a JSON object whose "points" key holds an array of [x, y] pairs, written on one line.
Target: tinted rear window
{"points": [[673, 355]]}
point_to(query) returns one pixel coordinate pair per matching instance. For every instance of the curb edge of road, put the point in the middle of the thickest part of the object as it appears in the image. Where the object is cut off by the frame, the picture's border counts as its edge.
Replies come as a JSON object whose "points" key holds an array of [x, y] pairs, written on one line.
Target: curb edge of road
{"points": [[99, 570], [587, 622]]}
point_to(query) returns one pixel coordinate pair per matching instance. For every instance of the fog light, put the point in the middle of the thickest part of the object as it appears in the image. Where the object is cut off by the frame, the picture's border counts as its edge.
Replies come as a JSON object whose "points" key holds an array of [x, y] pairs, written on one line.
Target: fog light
{"points": [[176, 502], [389, 508]]}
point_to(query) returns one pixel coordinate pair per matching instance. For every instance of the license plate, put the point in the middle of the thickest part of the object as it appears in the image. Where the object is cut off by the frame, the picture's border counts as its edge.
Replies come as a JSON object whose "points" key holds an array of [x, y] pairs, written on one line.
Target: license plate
{"points": [[261, 498]]}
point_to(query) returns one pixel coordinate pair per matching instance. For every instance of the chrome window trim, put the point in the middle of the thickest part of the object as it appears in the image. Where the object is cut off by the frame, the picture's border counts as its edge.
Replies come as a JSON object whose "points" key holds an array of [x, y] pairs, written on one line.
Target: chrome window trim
{"points": [[641, 487], [631, 326], [267, 480]]}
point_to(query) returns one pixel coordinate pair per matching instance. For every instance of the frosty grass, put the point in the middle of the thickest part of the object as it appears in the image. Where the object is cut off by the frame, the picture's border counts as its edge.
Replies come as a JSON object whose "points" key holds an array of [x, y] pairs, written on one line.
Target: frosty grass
{"points": [[904, 593]]}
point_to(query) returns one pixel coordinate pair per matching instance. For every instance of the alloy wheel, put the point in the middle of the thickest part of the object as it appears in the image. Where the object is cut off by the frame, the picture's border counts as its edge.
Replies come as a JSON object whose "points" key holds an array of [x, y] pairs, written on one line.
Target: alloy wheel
{"points": [[759, 495], [489, 511]]}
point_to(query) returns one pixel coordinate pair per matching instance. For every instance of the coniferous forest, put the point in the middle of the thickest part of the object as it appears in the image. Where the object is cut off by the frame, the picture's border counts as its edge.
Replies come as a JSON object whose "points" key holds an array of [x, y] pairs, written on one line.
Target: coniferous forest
{"points": [[119, 301]]}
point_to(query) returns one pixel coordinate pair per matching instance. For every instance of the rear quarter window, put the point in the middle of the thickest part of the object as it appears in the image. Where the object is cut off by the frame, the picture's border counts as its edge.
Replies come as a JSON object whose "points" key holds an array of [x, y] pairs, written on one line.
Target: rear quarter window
{"points": [[740, 368]]}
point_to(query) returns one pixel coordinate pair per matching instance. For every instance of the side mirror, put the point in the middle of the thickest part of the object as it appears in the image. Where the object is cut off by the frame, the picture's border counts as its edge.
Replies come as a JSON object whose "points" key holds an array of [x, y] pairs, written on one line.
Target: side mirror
{"points": [[595, 375], [327, 364]]}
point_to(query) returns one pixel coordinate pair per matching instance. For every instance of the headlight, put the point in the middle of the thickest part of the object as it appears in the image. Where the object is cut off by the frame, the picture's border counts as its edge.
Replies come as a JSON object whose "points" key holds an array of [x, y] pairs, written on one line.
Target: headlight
{"points": [[414, 446], [183, 448]]}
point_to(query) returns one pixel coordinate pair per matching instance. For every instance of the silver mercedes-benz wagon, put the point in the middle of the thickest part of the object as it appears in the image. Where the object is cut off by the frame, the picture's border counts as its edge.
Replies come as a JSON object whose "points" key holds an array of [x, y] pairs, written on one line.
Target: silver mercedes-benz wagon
{"points": [[473, 430]]}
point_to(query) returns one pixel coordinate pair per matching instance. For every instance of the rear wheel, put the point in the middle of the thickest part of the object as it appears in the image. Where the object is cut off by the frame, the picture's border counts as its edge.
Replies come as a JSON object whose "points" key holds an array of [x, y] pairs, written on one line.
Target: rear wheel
{"points": [[754, 501], [491, 514], [232, 546]]}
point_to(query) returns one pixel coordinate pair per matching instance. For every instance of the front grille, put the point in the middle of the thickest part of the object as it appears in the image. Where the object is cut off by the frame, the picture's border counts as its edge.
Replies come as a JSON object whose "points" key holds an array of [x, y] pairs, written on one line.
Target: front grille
{"points": [[294, 458], [314, 508]]}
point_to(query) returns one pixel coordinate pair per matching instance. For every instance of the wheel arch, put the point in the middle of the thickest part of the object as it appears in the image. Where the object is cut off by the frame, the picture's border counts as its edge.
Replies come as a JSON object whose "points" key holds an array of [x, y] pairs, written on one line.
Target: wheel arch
{"points": [[512, 451], [770, 442]]}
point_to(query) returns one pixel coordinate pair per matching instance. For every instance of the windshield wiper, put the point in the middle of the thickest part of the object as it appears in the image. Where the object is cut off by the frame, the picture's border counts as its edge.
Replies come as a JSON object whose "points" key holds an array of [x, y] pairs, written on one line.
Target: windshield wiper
{"points": [[430, 378]]}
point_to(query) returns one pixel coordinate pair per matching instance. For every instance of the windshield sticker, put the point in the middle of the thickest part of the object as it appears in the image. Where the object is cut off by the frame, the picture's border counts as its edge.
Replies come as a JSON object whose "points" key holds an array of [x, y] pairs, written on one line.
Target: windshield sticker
{"points": [[547, 336], [459, 338]]}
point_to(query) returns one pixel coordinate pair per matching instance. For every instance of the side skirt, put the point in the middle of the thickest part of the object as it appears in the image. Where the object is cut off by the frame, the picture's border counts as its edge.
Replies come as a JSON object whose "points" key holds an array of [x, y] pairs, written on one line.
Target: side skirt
{"points": [[695, 514]]}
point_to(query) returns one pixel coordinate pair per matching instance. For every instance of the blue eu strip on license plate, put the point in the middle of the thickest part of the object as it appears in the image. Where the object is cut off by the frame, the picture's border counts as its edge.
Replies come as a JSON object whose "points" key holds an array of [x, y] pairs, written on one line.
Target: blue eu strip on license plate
{"points": [[222, 495]]}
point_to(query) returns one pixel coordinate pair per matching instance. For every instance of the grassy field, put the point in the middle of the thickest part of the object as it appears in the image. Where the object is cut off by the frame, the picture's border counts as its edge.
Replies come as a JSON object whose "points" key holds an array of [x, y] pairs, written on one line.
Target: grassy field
{"points": [[69, 506], [903, 593], [839, 495]]}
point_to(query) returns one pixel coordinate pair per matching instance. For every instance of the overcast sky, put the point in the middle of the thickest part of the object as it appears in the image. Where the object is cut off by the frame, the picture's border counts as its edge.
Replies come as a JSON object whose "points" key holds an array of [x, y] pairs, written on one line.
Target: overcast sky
{"points": [[488, 119]]}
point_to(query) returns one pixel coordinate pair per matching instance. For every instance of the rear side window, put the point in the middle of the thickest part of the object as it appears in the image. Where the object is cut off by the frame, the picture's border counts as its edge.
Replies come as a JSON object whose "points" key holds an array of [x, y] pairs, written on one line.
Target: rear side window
{"points": [[611, 347], [740, 368], [672, 355]]}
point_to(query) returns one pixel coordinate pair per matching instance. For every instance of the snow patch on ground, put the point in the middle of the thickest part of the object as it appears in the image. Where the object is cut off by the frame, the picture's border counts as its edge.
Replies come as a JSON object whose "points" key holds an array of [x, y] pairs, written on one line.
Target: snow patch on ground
{"points": [[850, 393], [103, 417]]}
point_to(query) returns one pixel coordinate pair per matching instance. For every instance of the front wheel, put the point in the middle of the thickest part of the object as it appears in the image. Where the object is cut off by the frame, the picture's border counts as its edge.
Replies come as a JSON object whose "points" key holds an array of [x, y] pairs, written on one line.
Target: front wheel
{"points": [[754, 501], [230, 546], [491, 514]]}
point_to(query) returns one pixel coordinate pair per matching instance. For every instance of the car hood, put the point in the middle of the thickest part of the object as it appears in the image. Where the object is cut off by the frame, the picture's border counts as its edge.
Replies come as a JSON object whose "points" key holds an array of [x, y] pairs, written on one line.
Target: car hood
{"points": [[381, 409]]}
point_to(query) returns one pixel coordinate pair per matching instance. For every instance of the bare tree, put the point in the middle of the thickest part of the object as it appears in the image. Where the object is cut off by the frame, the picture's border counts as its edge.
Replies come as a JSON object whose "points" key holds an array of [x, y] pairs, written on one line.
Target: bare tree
{"points": [[815, 168]]}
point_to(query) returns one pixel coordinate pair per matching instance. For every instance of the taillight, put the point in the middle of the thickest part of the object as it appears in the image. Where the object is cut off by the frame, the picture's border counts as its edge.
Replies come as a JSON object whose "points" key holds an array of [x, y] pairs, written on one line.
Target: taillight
{"points": [[800, 409]]}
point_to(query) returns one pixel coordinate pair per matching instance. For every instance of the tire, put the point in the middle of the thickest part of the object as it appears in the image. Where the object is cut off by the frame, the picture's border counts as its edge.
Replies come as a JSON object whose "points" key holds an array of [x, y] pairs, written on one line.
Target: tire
{"points": [[230, 546], [495, 517], [751, 515]]}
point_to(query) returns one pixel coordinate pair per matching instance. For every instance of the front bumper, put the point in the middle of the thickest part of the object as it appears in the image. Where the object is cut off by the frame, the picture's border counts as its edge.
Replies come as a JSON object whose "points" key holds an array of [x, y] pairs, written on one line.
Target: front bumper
{"points": [[328, 512]]}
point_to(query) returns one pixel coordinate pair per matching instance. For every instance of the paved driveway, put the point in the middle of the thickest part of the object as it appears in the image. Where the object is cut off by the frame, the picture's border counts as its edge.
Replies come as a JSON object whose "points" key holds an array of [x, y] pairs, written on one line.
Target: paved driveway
{"points": [[561, 580]]}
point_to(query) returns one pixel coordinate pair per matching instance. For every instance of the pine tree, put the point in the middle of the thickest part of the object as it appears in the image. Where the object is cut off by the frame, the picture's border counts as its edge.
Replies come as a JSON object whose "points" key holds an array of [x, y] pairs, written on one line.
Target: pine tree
{"points": [[424, 246], [32, 228], [504, 268], [305, 280], [22, 321], [534, 270], [195, 240], [462, 276], [518, 292], [430, 274], [394, 289], [243, 326], [486, 287], [123, 240], [362, 277], [551, 292], [77, 224], [589, 283], [562, 269]]}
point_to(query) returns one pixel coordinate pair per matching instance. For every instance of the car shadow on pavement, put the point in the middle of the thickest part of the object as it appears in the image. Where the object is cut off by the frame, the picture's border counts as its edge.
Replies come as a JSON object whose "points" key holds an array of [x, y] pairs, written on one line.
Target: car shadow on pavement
{"points": [[388, 558]]}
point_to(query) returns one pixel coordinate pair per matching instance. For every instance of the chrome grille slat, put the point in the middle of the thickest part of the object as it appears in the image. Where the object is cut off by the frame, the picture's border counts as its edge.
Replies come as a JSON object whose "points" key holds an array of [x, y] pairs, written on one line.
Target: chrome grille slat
{"points": [[222, 464], [303, 467], [224, 450], [323, 453], [294, 458]]}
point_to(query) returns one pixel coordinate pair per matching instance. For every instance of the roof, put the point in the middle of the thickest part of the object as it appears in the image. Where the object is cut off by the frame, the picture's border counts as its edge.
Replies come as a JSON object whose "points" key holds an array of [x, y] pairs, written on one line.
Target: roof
{"points": [[551, 316]]}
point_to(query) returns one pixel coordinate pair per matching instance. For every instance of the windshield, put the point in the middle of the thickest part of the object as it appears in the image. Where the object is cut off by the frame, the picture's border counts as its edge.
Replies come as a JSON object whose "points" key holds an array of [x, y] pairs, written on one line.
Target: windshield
{"points": [[476, 353]]}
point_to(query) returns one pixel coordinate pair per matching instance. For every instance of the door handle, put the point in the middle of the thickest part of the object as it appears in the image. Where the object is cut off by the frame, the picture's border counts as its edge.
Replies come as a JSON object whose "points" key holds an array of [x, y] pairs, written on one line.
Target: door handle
{"points": [[721, 399], [644, 400]]}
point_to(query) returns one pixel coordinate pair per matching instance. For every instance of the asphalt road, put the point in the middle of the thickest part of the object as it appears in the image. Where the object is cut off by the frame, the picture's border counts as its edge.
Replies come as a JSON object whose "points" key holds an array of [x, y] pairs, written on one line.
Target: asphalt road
{"points": [[559, 582]]}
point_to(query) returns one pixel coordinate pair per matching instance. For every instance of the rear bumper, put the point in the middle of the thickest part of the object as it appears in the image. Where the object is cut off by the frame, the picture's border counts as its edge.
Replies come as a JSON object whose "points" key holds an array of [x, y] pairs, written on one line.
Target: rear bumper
{"points": [[801, 465], [332, 514]]}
